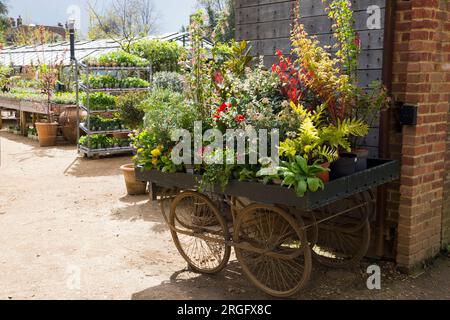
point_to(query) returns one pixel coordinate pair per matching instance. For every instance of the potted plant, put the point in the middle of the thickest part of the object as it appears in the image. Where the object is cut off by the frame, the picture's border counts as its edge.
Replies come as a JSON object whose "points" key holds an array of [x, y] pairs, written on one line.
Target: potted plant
{"points": [[369, 104], [47, 131], [134, 187]]}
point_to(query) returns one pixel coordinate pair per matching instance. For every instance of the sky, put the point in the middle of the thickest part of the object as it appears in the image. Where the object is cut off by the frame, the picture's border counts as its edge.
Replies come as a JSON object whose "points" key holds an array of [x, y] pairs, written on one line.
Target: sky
{"points": [[172, 14]]}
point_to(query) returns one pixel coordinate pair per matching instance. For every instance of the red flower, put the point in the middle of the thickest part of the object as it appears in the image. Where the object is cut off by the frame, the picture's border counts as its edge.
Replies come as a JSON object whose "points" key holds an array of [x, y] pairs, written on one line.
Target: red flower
{"points": [[240, 118], [358, 41], [223, 107], [279, 53]]}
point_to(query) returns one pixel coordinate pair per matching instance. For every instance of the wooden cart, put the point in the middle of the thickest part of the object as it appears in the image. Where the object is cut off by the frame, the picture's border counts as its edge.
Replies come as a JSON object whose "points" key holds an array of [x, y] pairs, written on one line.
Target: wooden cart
{"points": [[275, 234]]}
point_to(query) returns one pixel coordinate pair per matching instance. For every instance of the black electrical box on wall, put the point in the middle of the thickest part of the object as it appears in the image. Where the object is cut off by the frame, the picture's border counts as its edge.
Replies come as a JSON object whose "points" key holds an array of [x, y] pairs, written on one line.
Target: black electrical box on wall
{"points": [[408, 115]]}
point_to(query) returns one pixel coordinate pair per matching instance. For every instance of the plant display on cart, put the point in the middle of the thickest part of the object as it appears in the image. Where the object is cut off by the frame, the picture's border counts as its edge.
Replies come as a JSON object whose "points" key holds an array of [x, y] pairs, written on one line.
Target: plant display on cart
{"points": [[117, 59], [100, 123], [100, 101], [110, 82], [309, 95], [103, 142]]}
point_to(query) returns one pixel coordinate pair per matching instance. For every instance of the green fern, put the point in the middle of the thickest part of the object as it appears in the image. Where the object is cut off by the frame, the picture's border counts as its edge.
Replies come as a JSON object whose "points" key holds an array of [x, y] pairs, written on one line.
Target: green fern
{"points": [[315, 140]]}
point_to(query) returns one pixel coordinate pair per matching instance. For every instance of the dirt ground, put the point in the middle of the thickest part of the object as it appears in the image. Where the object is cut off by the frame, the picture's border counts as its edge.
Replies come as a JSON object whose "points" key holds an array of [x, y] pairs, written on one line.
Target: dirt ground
{"points": [[68, 231]]}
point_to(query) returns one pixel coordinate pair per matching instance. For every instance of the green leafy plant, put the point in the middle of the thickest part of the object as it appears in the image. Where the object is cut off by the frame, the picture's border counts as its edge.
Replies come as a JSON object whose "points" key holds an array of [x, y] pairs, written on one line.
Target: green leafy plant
{"points": [[100, 101], [163, 55], [129, 112], [6, 78], [168, 80], [134, 82], [302, 177], [103, 142], [316, 140], [165, 111], [122, 58], [100, 123]]}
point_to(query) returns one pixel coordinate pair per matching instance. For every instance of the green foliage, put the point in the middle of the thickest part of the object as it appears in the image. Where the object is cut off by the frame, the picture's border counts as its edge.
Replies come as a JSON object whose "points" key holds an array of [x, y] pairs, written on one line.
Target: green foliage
{"points": [[129, 112], [103, 142], [163, 55], [168, 80], [100, 101], [233, 56], [317, 140], [302, 177], [134, 82], [348, 43], [110, 82], [221, 19], [6, 78], [118, 58], [100, 123], [165, 111], [150, 154]]}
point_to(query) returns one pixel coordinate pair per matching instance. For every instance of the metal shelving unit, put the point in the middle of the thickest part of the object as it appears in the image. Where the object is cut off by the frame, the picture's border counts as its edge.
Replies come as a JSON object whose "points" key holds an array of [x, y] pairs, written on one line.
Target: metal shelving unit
{"points": [[86, 125]]}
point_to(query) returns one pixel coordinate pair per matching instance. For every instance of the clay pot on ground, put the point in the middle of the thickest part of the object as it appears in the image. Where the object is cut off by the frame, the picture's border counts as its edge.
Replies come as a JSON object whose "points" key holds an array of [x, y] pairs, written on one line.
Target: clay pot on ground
{"points": [[344, 166], [362, 155], [325, 177], [134, 187], [68, 121], [47, 133]]}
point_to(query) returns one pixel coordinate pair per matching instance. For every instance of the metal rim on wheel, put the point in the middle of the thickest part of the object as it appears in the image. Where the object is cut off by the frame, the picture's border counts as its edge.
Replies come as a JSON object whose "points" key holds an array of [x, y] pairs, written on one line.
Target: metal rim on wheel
{"points": [[273, 250], [344, 241], [199, 232]]}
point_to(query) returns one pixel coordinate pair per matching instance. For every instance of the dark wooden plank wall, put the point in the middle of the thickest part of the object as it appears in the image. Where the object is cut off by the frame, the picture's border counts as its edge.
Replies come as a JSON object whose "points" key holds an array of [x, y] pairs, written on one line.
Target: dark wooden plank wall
{"points": [[267, 25]]}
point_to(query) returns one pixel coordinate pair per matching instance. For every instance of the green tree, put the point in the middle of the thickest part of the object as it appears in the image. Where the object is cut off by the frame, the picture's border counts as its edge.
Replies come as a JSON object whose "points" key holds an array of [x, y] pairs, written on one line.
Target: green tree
{"points": [[4, 22], [221, 19]]}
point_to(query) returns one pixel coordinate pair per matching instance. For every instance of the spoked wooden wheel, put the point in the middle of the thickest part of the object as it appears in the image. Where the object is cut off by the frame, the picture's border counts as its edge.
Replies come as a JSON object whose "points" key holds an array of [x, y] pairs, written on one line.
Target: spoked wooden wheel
{"points": [[272, 248], [200, 232], [344, 240]]}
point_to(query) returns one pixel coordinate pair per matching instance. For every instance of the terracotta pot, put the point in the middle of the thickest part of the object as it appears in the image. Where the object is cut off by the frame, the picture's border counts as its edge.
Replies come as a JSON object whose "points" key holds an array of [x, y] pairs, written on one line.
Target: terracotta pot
{"points": [[68, 121], [325, 177], [134, 187], [47, 133]]}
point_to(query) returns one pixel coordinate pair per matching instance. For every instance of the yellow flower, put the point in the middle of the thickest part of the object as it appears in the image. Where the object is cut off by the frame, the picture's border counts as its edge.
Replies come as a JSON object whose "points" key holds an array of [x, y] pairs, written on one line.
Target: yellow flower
{"points": [[156, 152], [155, 161]]}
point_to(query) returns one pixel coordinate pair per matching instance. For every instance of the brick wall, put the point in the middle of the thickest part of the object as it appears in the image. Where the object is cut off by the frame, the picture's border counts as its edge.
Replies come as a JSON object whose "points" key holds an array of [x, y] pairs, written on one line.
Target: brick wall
{"points": [[419, 77]]}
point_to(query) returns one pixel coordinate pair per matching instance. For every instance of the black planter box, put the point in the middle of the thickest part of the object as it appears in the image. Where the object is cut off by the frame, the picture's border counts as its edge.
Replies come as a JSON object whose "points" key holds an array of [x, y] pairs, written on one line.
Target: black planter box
{"points": [[379, 172]]}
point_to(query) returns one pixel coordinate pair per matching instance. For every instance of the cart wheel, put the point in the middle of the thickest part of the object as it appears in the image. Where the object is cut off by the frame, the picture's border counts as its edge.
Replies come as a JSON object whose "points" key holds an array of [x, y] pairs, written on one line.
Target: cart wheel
{"points": [[273, 250], [343, 241], [200, 233]]}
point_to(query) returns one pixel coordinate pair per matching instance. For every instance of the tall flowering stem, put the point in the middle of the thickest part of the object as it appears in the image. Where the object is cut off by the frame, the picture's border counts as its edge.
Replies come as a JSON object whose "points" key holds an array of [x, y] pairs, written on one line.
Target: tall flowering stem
{"points": [[348, 42]]}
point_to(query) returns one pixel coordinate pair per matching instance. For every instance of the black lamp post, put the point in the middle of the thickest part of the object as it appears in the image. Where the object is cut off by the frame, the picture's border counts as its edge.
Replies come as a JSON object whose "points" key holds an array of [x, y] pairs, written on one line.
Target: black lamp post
{"points": [[71, 26]]}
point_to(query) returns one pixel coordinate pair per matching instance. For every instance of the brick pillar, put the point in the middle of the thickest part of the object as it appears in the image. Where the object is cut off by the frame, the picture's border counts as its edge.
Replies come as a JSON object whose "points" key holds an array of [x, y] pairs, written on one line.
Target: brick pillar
{"points": [[419, 77]]}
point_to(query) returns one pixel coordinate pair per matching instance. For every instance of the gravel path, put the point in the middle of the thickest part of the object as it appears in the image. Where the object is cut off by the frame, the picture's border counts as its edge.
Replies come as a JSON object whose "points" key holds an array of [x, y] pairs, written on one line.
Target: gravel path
{"points": [[68, 231]]}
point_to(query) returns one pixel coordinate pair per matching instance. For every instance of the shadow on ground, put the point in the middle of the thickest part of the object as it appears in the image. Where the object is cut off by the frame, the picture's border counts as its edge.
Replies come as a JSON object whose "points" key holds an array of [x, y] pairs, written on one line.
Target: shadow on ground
{"points": [[325, 283], [36, 150], [83, 167], [140, 208], [187, 285]]}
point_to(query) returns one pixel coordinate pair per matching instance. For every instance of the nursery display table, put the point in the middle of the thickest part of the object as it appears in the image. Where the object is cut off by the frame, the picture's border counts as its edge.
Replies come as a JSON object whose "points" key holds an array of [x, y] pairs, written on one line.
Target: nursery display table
{"points": [[275, 233]]}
